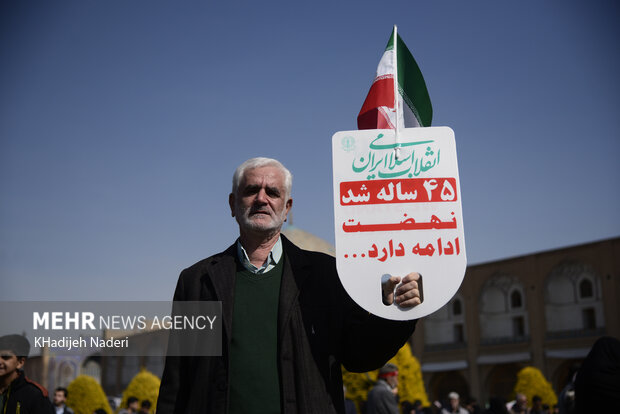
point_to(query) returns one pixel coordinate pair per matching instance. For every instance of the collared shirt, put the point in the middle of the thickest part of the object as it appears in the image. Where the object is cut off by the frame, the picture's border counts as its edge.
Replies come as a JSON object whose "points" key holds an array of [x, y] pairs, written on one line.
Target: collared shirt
{"points": [[274, 257]]}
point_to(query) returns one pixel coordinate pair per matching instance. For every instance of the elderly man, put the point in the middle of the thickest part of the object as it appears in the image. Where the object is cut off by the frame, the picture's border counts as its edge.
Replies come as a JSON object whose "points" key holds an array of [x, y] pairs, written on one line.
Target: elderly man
{"points": [[288, 323], [382, 398], [520, 405], [454, 401]]}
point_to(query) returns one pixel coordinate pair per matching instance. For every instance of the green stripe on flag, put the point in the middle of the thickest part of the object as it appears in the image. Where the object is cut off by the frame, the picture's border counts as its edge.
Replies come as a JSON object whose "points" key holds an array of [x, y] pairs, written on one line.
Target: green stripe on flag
{"points": [[390, 44], [411, 85]]}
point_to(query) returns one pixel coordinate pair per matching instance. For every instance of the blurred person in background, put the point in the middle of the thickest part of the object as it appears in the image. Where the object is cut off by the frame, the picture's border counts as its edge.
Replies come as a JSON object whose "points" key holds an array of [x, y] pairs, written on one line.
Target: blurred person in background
{"points": [[60, 401], [18, 394], [454, 405], [383, 397], [520, 405]]}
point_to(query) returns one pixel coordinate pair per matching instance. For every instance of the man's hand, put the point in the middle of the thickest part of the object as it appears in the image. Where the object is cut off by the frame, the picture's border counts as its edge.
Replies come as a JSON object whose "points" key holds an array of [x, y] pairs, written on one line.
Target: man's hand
{"points": [[408, 294]]}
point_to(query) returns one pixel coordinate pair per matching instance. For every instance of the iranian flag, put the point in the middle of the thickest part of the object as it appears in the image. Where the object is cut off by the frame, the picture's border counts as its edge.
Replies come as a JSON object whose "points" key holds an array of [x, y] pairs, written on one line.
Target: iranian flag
{"points": [[412, 108]]}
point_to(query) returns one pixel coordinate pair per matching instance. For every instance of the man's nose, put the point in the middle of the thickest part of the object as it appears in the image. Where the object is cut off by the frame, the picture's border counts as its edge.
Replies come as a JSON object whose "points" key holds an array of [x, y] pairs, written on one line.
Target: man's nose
{"points": [[261, 196]]}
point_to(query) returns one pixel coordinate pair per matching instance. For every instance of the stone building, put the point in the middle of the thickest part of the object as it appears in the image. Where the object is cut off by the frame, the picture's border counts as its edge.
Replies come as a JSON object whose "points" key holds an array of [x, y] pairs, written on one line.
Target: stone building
{"points": [[543, 309]]}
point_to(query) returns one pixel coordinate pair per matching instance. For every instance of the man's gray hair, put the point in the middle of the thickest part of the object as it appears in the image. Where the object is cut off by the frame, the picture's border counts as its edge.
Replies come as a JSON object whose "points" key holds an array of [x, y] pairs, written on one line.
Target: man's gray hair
{"points": [[258, 162]]}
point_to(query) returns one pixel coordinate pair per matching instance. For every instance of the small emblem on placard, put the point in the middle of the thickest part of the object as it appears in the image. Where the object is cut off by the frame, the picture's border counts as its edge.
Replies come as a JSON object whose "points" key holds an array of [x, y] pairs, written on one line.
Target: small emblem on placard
{"points": [[348, 143]]}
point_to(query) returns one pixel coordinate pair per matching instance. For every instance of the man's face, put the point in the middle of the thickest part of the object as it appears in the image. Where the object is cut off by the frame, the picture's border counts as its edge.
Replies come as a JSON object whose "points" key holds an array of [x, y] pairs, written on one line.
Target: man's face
{"points": [[134, 406], [9, 363], [393, 381], [261, 203], [454, 403], [59, 398]]}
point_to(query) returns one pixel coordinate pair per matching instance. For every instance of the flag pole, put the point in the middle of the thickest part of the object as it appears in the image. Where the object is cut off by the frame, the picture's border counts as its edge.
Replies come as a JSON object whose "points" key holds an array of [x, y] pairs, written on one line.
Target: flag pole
{"points": [[397, 126]]}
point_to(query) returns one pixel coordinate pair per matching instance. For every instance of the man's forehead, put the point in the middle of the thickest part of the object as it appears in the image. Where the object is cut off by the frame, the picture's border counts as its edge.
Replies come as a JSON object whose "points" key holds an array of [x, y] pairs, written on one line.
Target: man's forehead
{"points": [[269, 174]]}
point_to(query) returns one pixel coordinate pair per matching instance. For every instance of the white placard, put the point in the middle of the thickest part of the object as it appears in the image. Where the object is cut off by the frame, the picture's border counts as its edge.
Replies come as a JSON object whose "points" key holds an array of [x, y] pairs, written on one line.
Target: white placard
{"points": [[398, 211]]}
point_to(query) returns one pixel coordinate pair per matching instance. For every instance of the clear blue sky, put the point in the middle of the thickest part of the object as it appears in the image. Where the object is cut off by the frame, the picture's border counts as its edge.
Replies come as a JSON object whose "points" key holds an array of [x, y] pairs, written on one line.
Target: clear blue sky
{"points": [[121, 123]]}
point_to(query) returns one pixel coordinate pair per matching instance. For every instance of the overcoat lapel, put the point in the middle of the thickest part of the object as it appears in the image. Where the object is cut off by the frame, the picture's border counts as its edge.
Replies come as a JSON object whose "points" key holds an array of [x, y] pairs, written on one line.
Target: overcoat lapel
{"points": [[221, 272], [296, 270]]}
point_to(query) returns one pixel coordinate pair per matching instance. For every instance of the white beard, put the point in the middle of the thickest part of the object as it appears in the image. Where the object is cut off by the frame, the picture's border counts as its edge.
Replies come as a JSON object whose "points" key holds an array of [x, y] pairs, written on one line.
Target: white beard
{"points": [[275, 221]]}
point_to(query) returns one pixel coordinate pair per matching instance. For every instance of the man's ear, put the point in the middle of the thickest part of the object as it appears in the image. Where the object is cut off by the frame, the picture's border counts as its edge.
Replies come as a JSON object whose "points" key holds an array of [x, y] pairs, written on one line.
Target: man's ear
{"points": [[231, 203], [289, 205], [20, 362]]}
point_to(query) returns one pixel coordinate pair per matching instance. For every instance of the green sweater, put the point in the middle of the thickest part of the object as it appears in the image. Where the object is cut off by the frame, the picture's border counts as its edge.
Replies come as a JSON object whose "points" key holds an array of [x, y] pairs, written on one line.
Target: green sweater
{"points": [[254, 379]]}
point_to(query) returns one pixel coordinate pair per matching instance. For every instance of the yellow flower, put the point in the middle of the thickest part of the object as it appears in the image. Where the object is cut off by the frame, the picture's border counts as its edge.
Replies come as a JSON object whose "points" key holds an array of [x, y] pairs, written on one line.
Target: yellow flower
{"points": [[531, 382]]}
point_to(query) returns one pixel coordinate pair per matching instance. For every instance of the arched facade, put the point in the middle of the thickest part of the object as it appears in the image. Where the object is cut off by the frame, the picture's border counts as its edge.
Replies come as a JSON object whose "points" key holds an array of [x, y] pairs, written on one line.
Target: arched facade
{"points": [[573, 298], [92, 367], [501, 380], [446, 326], [503, 315], [544, 310], [563, 374], [442, 383], [67, 371]]}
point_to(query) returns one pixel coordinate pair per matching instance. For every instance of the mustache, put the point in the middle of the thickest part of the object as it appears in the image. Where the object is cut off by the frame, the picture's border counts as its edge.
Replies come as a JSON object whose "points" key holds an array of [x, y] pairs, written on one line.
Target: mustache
{"points": [[259, 210]]}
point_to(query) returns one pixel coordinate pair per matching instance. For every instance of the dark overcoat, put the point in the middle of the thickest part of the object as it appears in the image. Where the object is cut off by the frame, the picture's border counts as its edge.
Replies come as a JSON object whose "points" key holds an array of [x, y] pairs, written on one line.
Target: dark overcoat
{"points": [[26, 397], [319, 328]]}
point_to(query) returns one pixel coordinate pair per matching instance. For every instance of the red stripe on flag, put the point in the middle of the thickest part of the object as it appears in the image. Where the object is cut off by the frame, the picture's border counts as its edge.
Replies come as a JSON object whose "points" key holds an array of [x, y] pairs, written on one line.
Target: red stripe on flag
{"points": [[381, 94], [376, 118]]}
